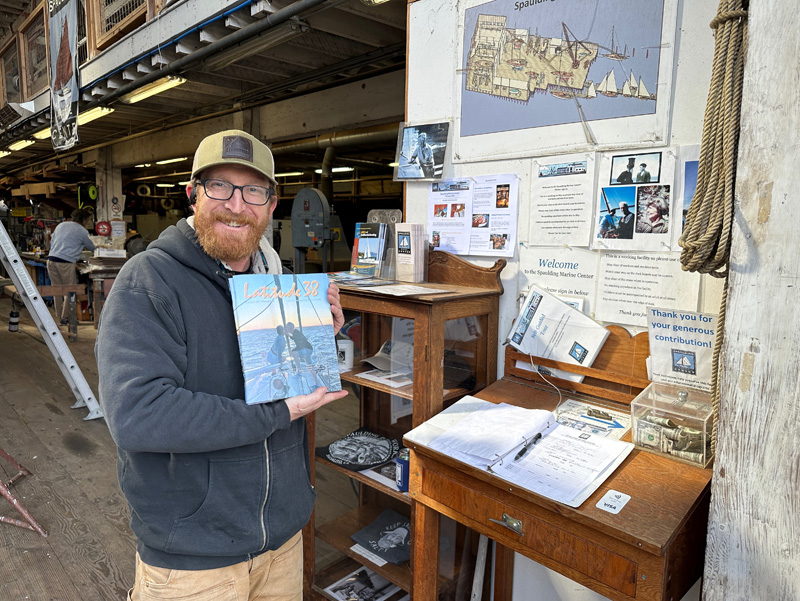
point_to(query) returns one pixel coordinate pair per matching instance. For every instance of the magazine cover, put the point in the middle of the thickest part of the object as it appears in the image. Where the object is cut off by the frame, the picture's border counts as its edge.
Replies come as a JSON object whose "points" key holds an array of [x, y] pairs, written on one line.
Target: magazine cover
{"points": [[362, 585], [360, 450], [388, 537], [285, 330], [368, 249]]}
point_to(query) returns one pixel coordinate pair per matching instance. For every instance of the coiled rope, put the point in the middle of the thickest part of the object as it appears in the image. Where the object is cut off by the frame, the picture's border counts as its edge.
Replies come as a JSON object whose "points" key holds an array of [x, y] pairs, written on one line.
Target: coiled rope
{"points": [[706, 238]]}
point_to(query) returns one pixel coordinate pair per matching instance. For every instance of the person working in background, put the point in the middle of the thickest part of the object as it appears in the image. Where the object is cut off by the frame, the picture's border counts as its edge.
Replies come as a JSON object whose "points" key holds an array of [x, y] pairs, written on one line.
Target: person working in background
{"points": [[218, 490], [66, 244]]}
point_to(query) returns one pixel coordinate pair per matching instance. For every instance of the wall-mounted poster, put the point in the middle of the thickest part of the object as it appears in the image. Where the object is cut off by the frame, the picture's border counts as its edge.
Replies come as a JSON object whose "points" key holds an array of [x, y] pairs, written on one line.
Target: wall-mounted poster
{"points": [[689, 162], [634, 201], [542, 77], [421, 151]]}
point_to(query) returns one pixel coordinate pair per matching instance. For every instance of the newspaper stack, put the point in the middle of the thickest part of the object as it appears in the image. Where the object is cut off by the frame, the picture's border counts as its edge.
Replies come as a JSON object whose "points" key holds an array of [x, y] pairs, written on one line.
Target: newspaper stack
{"points": [[410, 252]]}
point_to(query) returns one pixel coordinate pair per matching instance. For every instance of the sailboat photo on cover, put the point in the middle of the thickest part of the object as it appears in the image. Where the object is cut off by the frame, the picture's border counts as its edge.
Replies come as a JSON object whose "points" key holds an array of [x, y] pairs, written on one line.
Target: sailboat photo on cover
{"points": [[286, 338]]}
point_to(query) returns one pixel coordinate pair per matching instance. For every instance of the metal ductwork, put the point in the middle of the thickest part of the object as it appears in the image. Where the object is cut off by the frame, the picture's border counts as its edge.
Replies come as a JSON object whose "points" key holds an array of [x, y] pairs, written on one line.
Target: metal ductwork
{"points": [[341, 139]]}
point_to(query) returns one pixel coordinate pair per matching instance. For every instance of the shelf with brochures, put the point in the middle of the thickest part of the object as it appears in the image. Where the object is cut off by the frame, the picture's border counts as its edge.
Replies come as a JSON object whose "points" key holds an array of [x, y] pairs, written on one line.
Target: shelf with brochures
{"points": [[430, 350], [406, 392], [337, 534], [403, 497]]}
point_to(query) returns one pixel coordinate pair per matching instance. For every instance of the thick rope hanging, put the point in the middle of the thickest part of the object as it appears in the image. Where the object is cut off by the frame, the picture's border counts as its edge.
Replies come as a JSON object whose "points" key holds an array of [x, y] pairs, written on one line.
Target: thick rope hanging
{"points": [[706, 238]]}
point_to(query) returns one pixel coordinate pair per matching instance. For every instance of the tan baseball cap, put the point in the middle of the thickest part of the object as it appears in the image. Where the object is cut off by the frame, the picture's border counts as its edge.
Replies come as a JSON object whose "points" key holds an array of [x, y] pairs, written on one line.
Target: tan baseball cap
{"points": [[234, 147]]}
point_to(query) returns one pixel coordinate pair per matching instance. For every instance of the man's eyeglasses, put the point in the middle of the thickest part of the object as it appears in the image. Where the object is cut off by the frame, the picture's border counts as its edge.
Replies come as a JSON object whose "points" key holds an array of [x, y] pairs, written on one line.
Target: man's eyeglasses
{"points": [[219, 189]]}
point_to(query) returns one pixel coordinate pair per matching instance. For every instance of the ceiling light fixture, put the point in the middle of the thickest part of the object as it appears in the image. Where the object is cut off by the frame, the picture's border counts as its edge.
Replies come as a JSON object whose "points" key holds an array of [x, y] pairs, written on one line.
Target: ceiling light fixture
{"points": [[153, 88], [142, 166], [95, 113], [394, 164], [289, 174], [42, 134], [20, 144], [336, 170], [164, 185], [275, 36], [4, 153], [167, 161]]}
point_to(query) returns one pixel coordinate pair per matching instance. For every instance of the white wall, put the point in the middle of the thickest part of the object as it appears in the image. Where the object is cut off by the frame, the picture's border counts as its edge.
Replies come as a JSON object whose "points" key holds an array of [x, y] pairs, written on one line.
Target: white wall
{"points": [[433, 81]]}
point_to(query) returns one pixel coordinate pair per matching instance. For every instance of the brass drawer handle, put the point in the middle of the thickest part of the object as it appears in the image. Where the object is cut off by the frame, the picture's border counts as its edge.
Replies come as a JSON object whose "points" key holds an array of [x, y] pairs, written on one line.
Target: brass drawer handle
{"points": [[508, 522]]}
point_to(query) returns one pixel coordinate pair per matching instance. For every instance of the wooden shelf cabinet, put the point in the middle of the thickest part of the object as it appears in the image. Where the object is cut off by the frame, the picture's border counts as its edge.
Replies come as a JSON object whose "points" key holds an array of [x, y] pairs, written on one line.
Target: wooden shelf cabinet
{"points": [[447, 364]]}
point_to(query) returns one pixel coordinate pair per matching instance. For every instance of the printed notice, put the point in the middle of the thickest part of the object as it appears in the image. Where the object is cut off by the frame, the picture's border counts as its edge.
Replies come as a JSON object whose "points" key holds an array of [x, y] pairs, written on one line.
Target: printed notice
{"points": [[494, 216], [568, 272], [629, 283], [561, 200], [681, 347], [449, 211]]}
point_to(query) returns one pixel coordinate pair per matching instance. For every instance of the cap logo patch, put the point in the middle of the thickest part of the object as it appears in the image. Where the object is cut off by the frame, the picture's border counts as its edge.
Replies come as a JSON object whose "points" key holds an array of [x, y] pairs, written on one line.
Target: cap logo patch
{"points": [[237, 147]]}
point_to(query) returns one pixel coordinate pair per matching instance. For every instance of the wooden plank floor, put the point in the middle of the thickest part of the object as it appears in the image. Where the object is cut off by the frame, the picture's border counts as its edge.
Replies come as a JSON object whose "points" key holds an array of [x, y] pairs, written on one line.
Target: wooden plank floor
{"points": [[73, 493]]}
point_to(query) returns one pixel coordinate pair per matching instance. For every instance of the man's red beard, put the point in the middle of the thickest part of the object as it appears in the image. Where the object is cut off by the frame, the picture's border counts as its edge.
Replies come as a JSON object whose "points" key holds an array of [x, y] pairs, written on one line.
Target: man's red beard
{"points": [[231, 246]]}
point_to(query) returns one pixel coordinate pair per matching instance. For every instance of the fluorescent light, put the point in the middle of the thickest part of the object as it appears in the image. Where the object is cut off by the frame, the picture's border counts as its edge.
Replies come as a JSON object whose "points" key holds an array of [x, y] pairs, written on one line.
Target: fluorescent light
{"points": [[4, 153], [151, 89], [336, 170], [186, 183], [289, 174], [166, 161], [142, 166], [269, 39], [95, 113], [20, 144], [42, 134], [394, 164], [164, 185]]}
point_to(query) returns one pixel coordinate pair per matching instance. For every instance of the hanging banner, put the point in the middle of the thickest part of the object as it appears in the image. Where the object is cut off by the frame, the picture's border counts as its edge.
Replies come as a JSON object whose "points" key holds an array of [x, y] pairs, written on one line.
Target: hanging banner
{"points": [[63, 73]]}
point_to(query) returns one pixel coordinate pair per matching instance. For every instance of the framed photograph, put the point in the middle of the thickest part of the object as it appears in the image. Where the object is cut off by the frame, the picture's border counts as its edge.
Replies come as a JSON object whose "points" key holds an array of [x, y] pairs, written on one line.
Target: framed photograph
{"points": [[421, 151]]}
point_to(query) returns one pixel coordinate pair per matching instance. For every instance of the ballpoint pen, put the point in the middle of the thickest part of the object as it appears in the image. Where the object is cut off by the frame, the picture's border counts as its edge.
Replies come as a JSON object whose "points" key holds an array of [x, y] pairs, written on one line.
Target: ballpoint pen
{"points": [[527, 447]]}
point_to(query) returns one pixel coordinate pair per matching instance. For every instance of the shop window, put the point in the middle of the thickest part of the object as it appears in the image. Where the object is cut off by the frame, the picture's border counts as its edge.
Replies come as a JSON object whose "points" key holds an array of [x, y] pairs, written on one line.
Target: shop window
{"points": [[34, 49], [9, 64], [114, 18]]}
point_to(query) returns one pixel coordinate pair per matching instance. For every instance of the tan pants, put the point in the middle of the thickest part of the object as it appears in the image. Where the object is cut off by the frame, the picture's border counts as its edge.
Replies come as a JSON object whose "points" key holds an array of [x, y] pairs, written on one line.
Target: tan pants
{"points": [[272, 576], [61, 274]]}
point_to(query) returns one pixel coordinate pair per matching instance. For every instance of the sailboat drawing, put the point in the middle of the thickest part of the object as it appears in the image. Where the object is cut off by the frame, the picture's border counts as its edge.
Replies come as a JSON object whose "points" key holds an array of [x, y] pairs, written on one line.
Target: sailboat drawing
{"points": [[608, 85], [614, 53]]}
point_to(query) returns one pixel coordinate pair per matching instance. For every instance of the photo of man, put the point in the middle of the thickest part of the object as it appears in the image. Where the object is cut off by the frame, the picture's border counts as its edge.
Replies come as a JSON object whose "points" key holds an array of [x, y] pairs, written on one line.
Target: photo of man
{"points": [[421, 150], [635, 169]]}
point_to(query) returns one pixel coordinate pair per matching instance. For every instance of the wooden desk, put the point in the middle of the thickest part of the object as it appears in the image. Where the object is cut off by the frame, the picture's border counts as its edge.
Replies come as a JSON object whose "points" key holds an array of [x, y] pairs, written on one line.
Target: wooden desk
{"points": [[653, 549]]}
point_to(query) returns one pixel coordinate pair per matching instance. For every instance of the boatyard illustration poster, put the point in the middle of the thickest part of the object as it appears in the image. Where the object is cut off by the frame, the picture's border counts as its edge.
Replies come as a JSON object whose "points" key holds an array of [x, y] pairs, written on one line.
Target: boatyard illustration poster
{"points": [[286, 339], [563, 73]]}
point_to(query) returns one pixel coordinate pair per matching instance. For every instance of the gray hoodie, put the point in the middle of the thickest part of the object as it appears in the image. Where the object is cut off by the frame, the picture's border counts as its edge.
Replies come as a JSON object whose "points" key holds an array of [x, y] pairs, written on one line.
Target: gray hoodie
{"points": [[210, 481]]}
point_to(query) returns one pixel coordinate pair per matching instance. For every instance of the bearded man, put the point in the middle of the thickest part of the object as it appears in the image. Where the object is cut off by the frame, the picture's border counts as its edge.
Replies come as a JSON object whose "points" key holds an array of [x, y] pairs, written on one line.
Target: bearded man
{"points": [[218, 490]]}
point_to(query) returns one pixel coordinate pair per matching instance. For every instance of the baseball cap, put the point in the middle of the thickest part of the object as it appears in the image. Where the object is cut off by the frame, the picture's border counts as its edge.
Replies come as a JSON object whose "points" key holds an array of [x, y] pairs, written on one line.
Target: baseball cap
{"points": [[235, 147]]}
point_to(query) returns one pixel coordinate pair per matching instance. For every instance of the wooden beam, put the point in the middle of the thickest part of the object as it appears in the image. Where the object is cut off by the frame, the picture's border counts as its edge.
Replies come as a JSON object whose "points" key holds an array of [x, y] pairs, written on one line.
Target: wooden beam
{"points": [[753, 550], [27, 190]]}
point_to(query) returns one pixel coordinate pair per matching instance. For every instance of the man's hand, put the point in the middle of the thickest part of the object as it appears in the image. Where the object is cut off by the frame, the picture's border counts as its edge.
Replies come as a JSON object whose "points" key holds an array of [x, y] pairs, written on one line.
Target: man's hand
{"points": [[336, 307], [306, 403]]}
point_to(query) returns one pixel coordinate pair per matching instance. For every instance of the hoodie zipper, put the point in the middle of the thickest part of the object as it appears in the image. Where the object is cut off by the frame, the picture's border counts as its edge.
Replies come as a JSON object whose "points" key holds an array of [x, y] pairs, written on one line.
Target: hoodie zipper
{"points": [[264, 503]]}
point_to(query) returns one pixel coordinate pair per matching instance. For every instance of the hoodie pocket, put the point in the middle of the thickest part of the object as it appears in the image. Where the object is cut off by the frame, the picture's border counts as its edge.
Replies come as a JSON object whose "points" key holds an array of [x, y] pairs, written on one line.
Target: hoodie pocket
{"points": [[228, 521]]}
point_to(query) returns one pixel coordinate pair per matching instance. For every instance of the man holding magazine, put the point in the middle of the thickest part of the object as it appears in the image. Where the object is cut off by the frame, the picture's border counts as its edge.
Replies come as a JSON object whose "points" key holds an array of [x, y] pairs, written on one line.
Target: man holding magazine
{"points": [[218, 490]]}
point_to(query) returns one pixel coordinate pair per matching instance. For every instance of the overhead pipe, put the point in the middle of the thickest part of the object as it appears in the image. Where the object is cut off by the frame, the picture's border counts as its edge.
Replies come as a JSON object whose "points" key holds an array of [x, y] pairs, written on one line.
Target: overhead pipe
{"points": [[353, 137], [252, 30]]}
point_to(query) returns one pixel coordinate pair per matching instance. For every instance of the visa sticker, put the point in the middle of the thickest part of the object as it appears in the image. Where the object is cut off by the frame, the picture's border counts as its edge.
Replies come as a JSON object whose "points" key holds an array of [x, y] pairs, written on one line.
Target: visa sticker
{"points": [[613, 501]]}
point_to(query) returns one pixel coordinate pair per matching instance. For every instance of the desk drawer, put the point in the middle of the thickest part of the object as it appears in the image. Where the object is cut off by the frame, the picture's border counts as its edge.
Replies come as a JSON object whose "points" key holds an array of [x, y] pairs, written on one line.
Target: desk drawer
{"points": [[543, 539]]}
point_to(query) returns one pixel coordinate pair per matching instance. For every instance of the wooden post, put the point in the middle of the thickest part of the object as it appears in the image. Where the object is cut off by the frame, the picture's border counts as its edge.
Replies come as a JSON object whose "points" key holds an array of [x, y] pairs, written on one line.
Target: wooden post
{"points": [[753, 547]]}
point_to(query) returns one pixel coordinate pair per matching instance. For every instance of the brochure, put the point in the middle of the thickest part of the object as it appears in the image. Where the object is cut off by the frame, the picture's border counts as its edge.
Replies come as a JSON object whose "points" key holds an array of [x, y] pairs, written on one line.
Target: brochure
{"points": [[388, 537]]}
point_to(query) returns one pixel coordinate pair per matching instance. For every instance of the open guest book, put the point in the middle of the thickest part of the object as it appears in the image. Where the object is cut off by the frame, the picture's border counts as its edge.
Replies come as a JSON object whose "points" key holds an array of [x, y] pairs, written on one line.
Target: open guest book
{"points": [[526, 447]]}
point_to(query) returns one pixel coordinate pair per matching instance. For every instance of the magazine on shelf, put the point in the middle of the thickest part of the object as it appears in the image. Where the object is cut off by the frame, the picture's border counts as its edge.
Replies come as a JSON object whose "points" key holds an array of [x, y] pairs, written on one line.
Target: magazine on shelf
{"points": [[369, 248], [550, 328], [362, 585], [385, 473], [526, 447], [359, 450], [285, 330], [388, 537]]}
